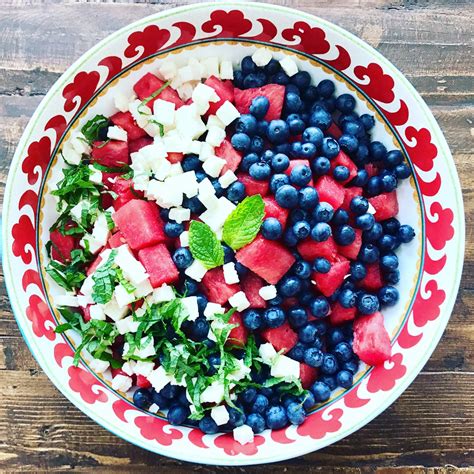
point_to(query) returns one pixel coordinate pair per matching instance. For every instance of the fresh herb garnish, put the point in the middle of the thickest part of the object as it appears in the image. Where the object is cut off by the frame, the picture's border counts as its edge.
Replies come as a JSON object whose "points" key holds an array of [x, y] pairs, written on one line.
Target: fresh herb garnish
{"points": [[104, 280], [70, 275], [204, 245], [244, 222], [92, 129], [152, 96]]}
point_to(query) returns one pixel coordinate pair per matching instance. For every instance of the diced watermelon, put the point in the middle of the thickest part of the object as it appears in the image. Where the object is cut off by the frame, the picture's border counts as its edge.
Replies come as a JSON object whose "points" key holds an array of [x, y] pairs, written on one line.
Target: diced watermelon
{"points": [[149, 84], [158, 264], [93, 267], [328, 283], [116, 372], [225, 91], [275, 93], [330, 191], [140, 223], [126, 121], [309, 249], [308, 375], [62, 246], [385, 205], [125, 192], [238, 335], [372, 170], [371, 339], [228, 153], [175, 157], [334, 131], [267, 258], [351, 251], [216, 289], [349, 194], [113, 154], [251, 285], [143, 382], [282, 338], [86, 313], [139, 143], [108, 179], [294, 163], [340, 315], [252, 186], [272, 209], [289, 302], [117, 240], [343, 160], [373, 280]]}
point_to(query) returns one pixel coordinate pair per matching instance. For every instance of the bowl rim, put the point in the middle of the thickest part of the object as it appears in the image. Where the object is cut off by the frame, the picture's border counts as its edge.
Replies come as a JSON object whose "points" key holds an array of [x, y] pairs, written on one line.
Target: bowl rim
{"points": [[18, 311]]}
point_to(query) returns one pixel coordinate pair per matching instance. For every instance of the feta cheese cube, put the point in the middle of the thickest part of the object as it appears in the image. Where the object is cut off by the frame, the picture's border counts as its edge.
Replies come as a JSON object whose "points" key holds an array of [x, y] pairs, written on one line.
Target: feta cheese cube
{"points": [[132, 269], [267, 352], [114, 311], [203, 94], [144, 368], [154, 408], [141, 113], [167, 69], [268, 292], [206, 151], [158, 378], [70, 155], [143, 289], [117, 133], [285, 367], [212, 309], [194, 147], [122, 296], [185, 91], [90, 243], [186, 182], [215, 136], [190, 305], [121, 383], [226, 71], [220, 415], [230, 273], [196, 270], [213, 166], [243, 434], [214, 121], [99, 366], [163, 293], [371, 209], [262, 57], [96, 175], [227, 113], [210, 66], [84, 300], [129, 367], [214, 393], [66, 300], [100, 231], [239, 301], [227, 179], [164, 112], [240, 373], [164, 193], [206, 189], [76, 211], [289, 66], [80, 144], [121, 101], [152, 153], [215, 216], [187, 74], [188, 123], [145, 349], [184, 239], [180, 214], [127, 325], [96, 311], [196, 66]]}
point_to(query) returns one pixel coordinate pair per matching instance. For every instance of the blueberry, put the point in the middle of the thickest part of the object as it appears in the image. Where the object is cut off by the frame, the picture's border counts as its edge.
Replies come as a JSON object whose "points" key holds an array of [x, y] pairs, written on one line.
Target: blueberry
{"points": [[289, 238], [267, 156], [374, 186], [367, 121], [182, 258], [402, 171], [260, 404], [298, 214], [329, 365], [387, 242], [351, 365], [321, 166], [292, 88], [295, 413], [307, 400], [158, 399], [348, 143], [277, 181], [365, 221], [352, 128], [214, 362], [219, 190], [323, 212], [345, 103], [238, 79], [297, 316], [252, 319], [374, 234], [256, 422], [191, 163], [307, 334], [201, 302], [330, 148], [389, 262], [260, 171], [236, 192], [240, 141], [406, 234], [388, 296], [272, 67], [319, 307], [284, 148], [301, 79], [228, 253], [358, 271], [257, 144], [301, 229], [320, 391], [347, 298], [236, 418], [177, 414], [287, 196], [271, 228], [321, 265], [393, 159], [340, 217], [280, 163], [189, 287], [275, 417], [344, 235], [169, 391], [377, 151], [297, 352], [246, 124], [300, 175], [313, 357], [359, 205], [313, 135], [249, 395], [341, 173], [259, 107], [293, 102], [200, 329], [361, 158], [274, 317], [173, 229], [320, 118], [295, 124], [369, 253], [142, 398], [392, 277], [254, 79], [165, 214], [367, 303], [309, 94], [248, 160], [262, 128], [343, 351], [321, 232], [247, 65], [389, 183], [308, 198], [278, 131], [281, 78], [391, 226], [345, 379], [335, 336], [296, 149], [208, 425], [289, 286], [326, 88], [308, 151]]}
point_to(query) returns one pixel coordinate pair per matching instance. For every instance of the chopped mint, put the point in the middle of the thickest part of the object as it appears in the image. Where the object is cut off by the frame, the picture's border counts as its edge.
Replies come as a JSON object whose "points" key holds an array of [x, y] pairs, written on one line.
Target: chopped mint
{"points": [[92, 129], [104, 280]]}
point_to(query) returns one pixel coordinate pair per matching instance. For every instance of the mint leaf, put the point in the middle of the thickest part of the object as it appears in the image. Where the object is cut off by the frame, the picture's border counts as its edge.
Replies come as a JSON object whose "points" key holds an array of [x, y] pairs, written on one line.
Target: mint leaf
{"points": [[104, 280], [92, 129], [244, 222], [204, 245], [153, 96]]}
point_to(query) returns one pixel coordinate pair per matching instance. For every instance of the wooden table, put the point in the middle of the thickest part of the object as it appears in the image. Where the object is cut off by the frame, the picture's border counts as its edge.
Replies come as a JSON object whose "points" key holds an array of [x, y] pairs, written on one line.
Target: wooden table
{"points": [[432, 423]]}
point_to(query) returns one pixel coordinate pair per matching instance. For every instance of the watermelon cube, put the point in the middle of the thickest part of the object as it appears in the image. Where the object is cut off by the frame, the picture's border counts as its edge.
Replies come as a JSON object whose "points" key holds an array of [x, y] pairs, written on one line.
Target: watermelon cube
{"points": [[340, 315], [228, 153], [282, 338], [215, 288], [93, 267], [385, 205], [140, 223], [328, 283], [330, 191], [334, 131], [143, 382], [238, 335], [349, 194], [273, 209], [252, 186], [149, 84], [62, 246], [351, 251], [112, 154], [308, 375], [267, 258], [126, 121], [175, 157], [309, 249], [373, 281], [372, 170], [371, 339], [275, 93], [251, 285], [86, 313], [294, 163], [343, 160], [225, 91], [125, 192], [158, 264], [139, 143], [117, 240]]}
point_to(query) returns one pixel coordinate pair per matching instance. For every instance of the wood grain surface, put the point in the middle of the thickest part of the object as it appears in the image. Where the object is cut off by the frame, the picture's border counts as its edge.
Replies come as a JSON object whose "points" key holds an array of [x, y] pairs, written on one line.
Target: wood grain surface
{"points": [[430, 428]]}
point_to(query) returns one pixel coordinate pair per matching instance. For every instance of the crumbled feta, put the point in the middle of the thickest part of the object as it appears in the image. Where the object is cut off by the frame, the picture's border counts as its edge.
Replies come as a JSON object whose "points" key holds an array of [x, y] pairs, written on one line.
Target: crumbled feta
{"points": [[165, 194], [88, 283], [212, 309], [122, 296], [100, 231], [196, 66], [121, 101], [262, 57], [186, 182], [202, 95], [210, 66], [214, 393], [289, 66], [167, 69], [194, 147], [163, 293], [206, 151], [117, 133], [141, 113], [129, 367], [188, 123], [196, 270], [191, 306], [185, 91], [154, 408], [213, 166], [143, 289], [215, 136], [164, 112], [240, 373], [158, 378], [207, 194], [268, 292], [71, 155], [66, 300], [267, 352], [230, 273], [99, 366], [152, 153], [173, 142], [184, 239], [215, 216], [285, 367], [132, 269], [220, 415], [147, 348], [227, 113], [239, 301], [243, 434], [121, 383], [90, 243], [180, 214], [95, 176], [76, 211], [96, 311], [80, 144], [226, 71], [84, 300], [144, 368], [214, 121], [187, 74], [114, 311], [127, 325], [227, 179]]}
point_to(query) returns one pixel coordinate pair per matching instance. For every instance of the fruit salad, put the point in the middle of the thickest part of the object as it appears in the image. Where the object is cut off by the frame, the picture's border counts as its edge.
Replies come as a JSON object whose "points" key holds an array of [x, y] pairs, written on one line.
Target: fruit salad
{"points": [[227, 243]]}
